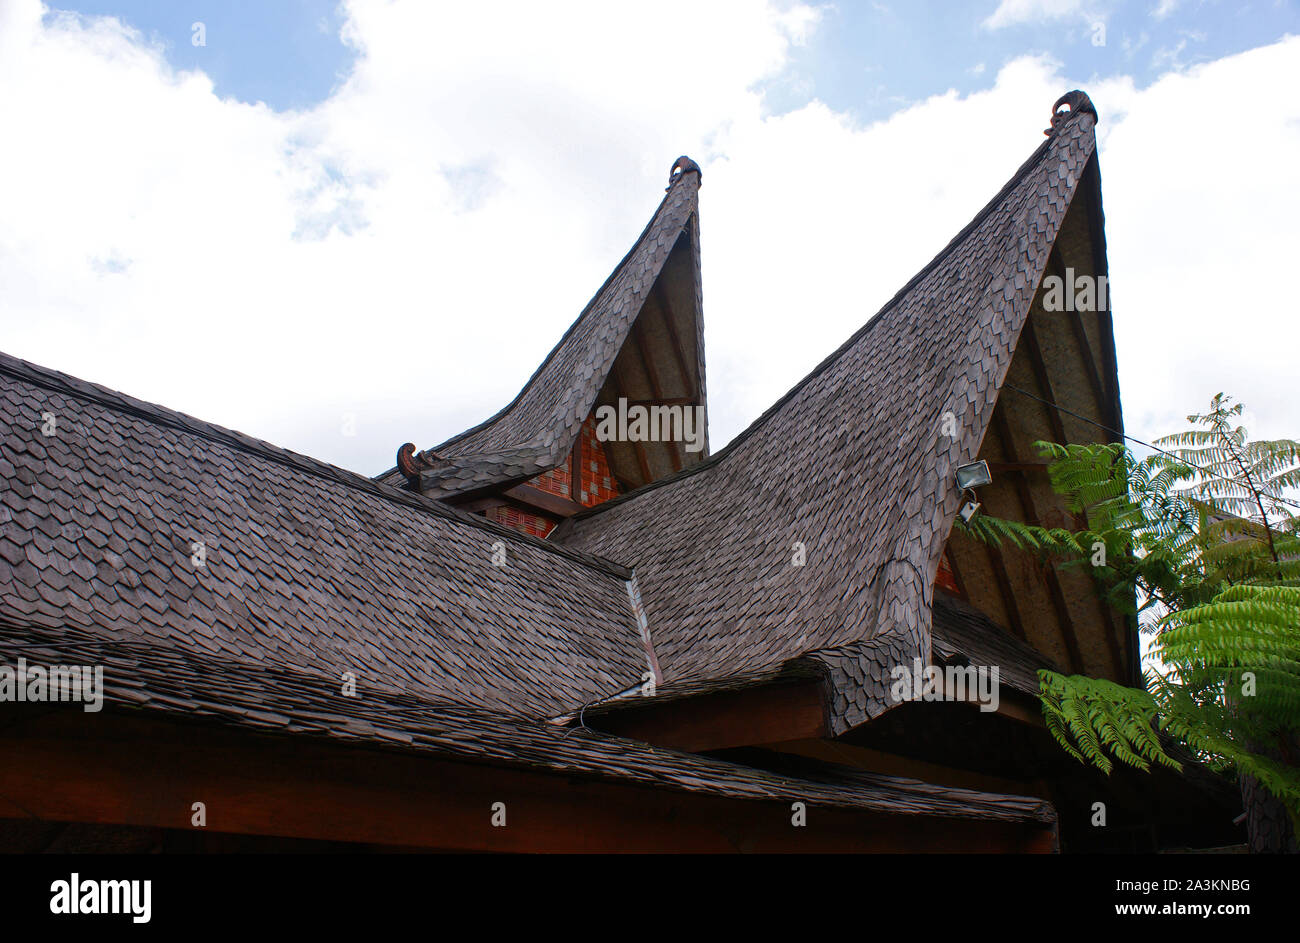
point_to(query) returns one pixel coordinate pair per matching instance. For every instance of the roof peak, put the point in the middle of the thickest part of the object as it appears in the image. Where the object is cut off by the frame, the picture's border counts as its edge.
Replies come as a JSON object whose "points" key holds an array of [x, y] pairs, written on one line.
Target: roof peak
{"points": [[680, 168], [1078, 101]]}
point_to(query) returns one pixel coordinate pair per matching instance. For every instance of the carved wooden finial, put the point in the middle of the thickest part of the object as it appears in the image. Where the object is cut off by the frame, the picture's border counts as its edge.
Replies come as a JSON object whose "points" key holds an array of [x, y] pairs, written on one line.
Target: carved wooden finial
{"points": [[682, 165], [1077, 101], [410, 463]]}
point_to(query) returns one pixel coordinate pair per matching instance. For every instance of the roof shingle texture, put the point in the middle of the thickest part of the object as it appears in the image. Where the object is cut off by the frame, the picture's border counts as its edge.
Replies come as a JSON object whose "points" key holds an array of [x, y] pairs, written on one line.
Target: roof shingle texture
{"points": [[306, 565]]}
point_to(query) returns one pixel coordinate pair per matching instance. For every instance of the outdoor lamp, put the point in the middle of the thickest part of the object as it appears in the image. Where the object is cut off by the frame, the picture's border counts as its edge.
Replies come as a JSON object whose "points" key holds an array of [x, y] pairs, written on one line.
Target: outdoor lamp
{"points": [[973, 475]]}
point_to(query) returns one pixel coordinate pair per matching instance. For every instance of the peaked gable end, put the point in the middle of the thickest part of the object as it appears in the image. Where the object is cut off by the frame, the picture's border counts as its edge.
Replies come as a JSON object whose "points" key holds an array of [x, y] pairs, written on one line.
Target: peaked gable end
{"points": [[636, 349]]}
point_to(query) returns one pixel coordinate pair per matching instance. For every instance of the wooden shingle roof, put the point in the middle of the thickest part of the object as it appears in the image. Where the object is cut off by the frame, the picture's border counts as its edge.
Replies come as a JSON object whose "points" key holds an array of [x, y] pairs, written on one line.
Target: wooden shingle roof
{"points": [[312, 572], [853, 463], [304, 564], [537, 429]]}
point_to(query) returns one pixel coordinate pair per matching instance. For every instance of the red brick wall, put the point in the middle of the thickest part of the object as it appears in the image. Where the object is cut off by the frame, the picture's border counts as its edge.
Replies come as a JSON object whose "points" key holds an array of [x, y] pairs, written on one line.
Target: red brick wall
{"points": [[598, 483], [536, 524]]}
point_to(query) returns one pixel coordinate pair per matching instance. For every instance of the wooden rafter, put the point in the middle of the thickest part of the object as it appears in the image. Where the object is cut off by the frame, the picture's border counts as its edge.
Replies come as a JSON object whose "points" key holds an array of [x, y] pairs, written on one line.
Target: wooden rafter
{"points": [[643, 462], [1091, 185], [956, 572], [666, 315], [620, 371], [482, 504], [656, 388], [999, 566], [1039, 367], [1057, 265], [1054, 591], [1100, 396]]}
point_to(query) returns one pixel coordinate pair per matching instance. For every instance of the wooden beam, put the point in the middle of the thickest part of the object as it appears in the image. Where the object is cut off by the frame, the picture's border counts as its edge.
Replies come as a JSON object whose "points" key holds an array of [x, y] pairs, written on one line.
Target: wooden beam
{"points": [[652, 375], [482, 504], [668, 317], [1091, 185], [656, 388], [1056, 263], [1100, 397], [544, 501], [999, 566], [643, 462], [575, 470], [1044, 382], [894, 764], [1054, 591], [135, 770], [728, 719], [956, 572], [620, 373]]}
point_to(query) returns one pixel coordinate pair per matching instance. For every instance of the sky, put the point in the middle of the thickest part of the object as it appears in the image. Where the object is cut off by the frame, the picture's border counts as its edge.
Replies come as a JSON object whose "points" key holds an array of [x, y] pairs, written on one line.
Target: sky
{"points": [[344, 226]]}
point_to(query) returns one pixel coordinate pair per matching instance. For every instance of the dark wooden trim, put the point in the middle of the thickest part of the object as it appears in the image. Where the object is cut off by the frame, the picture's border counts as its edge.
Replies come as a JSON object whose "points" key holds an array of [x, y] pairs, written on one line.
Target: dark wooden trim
{"points": [[886, 763], [1091, 184], [1113, 412], [482, 504], [134, 770], [544, 501], [575, 469], [652, 375], [727, 719]]}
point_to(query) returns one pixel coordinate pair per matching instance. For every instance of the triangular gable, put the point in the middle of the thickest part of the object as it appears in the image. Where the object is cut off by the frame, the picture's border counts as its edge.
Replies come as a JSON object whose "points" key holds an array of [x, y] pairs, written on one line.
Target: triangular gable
{"points": [[1062, 386], [640, 338]]}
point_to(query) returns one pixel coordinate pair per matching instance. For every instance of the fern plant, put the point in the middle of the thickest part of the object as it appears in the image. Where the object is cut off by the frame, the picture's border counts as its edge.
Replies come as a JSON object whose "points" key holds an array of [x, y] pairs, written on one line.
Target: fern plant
{"points": [[1202, 544]]}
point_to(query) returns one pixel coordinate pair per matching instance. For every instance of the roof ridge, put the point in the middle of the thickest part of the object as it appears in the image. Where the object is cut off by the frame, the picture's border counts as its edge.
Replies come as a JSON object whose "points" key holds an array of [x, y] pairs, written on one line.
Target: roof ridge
{"points": [[717, 457], [84, 390]]}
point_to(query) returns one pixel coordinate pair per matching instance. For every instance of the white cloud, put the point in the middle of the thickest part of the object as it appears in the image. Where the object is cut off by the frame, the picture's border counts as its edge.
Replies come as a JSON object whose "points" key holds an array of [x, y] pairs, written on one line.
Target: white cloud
{"points": [[410, 249], [1200, 227], [1015, 12]]}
